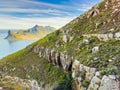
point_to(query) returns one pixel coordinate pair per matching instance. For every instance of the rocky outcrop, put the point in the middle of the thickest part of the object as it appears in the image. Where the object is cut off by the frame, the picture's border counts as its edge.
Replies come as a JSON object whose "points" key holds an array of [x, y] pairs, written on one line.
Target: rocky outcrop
{"points": [[112, 4], [85, 78], [93, 13], [81, 74], [15, 83], [67, 38], [105, 37], [95, 49], [33, 85], [108, 83], [55, 57], [116, 14], [67, 35]]}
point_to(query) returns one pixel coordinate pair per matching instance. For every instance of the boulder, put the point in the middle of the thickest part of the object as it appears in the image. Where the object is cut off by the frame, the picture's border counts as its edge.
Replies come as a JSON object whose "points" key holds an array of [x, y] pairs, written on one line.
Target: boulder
{"points": [[114, 77], [62, 60], [81, 67], [90, 73], [58, 43], [67, 38], [66, 62], [33, 85], [109, 84], [41, 51], [116, 14], [36, 49], [96, 80], [112, 29], [95, 49], [29, 47], [53, 59], [48, 55], [93, 86], [95, 58], [117, 36], [97, 74], [87, 69], [110, 36], [75, 65], [93, 13], [110, 60], [103, 37], [85, 41], [1, 88], [98, 24], [92, 70]]}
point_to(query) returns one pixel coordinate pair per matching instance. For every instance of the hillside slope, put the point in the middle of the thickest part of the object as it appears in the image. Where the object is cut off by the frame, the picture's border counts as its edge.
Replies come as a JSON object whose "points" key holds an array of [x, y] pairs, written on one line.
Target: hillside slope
{"points": [[33, 33], [82, 55]]}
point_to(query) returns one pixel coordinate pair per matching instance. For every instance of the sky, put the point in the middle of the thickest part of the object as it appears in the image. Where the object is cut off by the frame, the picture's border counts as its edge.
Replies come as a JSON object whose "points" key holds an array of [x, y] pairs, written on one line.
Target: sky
{"points": [[24, 14]]}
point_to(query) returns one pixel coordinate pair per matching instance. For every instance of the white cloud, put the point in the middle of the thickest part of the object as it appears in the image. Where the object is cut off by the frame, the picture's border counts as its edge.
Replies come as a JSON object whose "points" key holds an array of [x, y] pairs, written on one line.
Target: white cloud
{"points": [[21, 3], [9, 22], [30, 3], [23, 10], [34, 9], [48, 4]]}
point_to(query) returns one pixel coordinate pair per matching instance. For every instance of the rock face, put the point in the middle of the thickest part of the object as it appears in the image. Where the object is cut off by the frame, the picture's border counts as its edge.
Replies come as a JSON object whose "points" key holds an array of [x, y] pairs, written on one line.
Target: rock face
{"points": [[67, 37], [109, 84], [33, 85], [80, 73], [96, 81], [113, 4], [15, 83], [93, 13], [36, 32], [55, 57], [105, 37]]}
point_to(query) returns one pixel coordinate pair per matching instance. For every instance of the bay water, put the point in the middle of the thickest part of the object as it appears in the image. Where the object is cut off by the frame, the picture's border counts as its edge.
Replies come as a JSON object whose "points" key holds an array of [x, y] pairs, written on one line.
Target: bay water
{"points": [[8, 47]]}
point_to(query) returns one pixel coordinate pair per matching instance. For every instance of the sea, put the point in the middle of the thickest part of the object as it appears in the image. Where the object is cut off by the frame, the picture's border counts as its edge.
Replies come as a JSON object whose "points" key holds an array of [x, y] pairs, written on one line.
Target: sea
{"points": [[8, 47]]}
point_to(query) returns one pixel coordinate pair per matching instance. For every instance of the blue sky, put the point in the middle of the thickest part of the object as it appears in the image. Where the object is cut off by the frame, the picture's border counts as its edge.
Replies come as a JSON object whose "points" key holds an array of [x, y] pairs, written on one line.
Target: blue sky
{"points": [[23, 14]]}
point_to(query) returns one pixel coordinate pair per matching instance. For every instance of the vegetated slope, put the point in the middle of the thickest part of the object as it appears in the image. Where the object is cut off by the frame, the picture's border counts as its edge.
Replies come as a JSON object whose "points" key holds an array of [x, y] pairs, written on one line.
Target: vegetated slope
{"points": [[70, 39], [90, 40], [27, 65], [33, 33]]}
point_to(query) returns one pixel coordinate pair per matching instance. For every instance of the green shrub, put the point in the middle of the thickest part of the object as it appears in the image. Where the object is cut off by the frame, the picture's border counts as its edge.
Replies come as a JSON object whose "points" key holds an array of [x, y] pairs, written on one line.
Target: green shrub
{"points": [[107, 71], [85, 83]]}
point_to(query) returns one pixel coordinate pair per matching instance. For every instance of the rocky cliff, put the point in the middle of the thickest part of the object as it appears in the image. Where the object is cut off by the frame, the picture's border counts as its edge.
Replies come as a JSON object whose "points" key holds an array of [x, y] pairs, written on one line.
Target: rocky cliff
{"points": [[36, 32], [82, 55], [85, 77]]}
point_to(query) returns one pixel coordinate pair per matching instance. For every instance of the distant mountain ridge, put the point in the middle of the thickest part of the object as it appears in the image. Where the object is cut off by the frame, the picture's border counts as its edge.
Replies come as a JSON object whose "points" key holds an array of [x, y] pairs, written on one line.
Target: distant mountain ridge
{"points": [[35, 32]]}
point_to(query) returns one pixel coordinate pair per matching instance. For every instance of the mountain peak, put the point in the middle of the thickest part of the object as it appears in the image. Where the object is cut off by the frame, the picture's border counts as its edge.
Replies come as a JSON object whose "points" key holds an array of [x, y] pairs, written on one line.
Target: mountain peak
{"points": [[10, 34], [36, 26]]}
